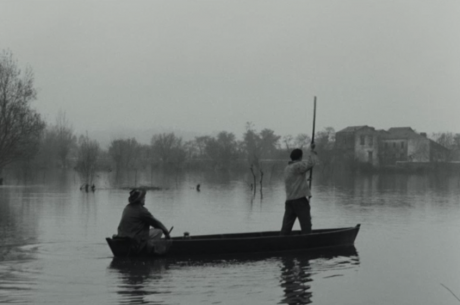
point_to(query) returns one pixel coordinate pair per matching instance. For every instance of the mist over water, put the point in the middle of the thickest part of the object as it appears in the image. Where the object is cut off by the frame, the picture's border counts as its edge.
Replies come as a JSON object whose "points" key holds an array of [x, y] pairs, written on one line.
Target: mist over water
{"points": [[53, 250]]}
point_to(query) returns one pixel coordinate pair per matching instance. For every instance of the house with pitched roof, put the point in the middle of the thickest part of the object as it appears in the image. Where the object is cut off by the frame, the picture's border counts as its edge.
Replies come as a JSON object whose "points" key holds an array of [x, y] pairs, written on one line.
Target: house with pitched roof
{"points": [[403, 144], [360, 142], [386, 147]]}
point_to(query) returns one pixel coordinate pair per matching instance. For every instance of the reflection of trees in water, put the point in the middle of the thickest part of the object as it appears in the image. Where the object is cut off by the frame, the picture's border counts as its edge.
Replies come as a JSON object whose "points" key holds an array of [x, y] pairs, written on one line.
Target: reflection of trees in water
{"points": [[170, 178], [18, 223], [136, 276], [155, 178]]}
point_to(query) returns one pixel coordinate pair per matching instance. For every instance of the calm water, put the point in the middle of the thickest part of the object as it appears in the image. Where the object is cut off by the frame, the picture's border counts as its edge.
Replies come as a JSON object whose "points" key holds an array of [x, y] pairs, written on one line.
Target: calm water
{"points": [[53, 250]]}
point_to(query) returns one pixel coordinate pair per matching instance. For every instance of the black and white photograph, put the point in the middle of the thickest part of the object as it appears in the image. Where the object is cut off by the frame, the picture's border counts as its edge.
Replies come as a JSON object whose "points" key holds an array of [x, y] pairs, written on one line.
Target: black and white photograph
{"points": [[230, 152]]}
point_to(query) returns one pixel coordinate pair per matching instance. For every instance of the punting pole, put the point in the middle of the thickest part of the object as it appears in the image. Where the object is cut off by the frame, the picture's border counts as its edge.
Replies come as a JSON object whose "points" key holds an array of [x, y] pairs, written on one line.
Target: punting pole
{"points": [[313, 139]]}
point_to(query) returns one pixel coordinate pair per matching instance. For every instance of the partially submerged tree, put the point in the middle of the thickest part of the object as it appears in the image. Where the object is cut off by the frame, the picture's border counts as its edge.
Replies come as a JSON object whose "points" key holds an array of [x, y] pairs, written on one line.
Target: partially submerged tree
{"points": [[269, 142], [259, 145], [20, 125], [47, 156], [124, 153], [252, 147], [167, 148], [200, 144], [87, 155], [223, 149], [65, 138], [58, 145]]}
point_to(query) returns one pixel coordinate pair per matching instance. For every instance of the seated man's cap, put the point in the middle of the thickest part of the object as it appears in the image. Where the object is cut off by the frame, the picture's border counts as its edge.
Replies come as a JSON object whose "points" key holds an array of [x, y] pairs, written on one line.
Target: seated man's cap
{"points": [[136, 195]]}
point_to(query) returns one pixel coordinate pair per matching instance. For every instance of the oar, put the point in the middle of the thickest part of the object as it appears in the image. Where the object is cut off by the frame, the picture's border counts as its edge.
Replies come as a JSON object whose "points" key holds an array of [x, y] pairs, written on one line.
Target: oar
{"points": [[313, 139]]}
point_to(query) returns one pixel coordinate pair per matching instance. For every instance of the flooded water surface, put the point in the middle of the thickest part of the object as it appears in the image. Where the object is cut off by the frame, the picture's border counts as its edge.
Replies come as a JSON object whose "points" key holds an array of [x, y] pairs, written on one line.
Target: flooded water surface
{"points": [[53, 249]]}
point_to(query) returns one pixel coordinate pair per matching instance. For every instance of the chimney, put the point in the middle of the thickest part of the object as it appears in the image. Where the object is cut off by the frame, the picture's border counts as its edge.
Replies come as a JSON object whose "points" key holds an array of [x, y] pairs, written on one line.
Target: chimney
{"points": [[423, 134]]}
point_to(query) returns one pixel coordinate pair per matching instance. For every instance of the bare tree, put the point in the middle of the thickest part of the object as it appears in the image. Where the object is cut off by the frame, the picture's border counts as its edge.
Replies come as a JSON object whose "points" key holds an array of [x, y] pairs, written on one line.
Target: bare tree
{"points": [[191, 150], [419, 150], [252, 145], [325, 139], [168, 148], [451, 142], [269, 142], [222, 150], [456, 147], [446, 139], [302, 141], [65, 138], [125, 153], [20, 126], [288, 142], [259, 145], [200, 143], [47, 154], [325, 142], [87, 155]]}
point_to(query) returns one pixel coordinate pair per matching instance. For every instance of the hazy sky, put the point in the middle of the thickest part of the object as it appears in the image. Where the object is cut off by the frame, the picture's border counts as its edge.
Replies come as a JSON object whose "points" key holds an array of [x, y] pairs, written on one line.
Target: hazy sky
{"points": [[207, 66]]}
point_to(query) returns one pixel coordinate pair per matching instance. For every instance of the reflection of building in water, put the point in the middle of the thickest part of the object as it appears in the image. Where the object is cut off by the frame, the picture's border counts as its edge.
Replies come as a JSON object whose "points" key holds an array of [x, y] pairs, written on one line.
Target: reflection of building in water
{"points": [[296, 272], [136, 276]]}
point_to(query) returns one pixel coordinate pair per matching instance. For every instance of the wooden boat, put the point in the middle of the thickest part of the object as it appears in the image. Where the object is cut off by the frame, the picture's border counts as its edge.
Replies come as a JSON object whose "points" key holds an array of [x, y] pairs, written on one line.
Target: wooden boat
{"points": [[256, 242]]}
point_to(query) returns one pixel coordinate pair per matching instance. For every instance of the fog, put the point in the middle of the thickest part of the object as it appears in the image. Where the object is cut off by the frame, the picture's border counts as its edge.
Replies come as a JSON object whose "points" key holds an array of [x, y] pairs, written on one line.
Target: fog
{"points": [[200, 67]]}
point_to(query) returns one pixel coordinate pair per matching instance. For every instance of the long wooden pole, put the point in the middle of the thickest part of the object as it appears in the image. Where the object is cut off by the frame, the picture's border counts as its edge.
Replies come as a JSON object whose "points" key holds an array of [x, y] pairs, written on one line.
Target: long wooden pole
{"points": [[313, 139]]}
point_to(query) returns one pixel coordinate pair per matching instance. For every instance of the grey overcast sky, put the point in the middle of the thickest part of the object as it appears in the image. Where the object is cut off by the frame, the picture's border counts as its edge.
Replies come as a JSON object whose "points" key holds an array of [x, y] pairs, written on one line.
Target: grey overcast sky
{"points": [[207, 66]]}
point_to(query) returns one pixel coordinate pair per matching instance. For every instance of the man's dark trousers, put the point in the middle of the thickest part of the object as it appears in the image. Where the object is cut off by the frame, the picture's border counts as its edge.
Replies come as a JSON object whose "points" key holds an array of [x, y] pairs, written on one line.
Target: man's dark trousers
{"points": [[297, 208]]}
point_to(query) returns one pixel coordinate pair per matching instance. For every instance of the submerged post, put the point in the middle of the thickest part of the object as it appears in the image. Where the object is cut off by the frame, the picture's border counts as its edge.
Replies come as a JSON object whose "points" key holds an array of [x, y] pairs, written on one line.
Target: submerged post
{"points": [[254, 179]]}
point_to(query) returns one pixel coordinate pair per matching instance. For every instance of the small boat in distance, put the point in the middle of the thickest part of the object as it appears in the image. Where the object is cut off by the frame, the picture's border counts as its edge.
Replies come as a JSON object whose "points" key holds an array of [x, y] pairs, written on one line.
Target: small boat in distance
{"points": [[240, 243]]}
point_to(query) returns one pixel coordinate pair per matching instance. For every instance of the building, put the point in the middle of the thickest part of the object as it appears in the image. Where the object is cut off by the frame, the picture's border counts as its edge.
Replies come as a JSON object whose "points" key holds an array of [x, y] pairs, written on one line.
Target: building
{"points": [[379, 147], [403, 144], [359, 142], [394, 145]]}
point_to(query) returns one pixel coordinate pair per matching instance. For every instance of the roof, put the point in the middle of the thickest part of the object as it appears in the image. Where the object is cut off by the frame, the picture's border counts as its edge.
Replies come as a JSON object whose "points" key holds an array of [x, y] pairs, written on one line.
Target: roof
{"points": [[401, 129], [353, 128], [437, 145], [400, 133]]}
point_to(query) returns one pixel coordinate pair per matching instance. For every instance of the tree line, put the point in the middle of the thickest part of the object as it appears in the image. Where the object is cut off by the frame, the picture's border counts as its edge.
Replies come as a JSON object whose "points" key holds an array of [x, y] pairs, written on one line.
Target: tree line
{"points": [[27, 141], [59, 147]]}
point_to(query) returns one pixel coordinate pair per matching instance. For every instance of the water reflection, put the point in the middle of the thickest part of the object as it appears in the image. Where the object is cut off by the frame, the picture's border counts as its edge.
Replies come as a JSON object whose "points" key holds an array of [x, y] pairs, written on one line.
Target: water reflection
{"points": [[17, 220], [297, 272], [47, 222], [136, 276], [155, 281]]}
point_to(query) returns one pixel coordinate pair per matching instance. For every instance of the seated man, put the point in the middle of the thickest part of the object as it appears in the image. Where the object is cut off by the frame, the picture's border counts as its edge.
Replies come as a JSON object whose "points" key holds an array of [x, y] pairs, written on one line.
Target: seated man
{"points": [[136, 222]]}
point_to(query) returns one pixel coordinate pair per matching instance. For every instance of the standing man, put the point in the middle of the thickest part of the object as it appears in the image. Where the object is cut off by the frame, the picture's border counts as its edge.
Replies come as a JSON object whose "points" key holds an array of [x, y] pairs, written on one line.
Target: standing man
{"points": [[298, 193]]}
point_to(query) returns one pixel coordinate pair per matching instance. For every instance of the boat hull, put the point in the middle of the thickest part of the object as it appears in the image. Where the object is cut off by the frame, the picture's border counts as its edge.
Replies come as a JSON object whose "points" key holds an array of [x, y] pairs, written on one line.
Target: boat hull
{"points": [[257, 242]]}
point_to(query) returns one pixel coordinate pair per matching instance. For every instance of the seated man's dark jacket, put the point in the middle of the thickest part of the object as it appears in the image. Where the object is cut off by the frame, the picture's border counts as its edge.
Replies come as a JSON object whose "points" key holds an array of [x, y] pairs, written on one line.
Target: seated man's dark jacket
{"points": [[135, 222]]}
